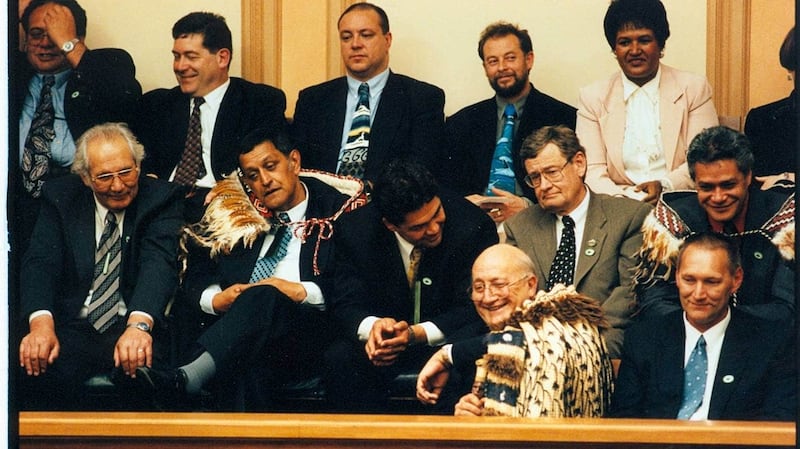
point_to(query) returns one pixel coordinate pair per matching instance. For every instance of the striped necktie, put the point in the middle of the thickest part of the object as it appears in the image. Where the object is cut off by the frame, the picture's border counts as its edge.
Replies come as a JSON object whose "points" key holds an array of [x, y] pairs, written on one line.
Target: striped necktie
{"points": [[354, 157], [265, 266], [103, 310]]}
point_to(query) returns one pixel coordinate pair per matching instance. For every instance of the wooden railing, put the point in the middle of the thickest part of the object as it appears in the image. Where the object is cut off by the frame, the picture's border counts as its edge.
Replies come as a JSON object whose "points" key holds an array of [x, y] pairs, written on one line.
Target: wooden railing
{"points": [[42, 430]]}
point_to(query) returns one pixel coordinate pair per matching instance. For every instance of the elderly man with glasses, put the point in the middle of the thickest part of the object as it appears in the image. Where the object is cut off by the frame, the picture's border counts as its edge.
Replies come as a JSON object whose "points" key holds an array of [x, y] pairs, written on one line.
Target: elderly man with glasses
{"points": [[602, 232], [99, 272]]}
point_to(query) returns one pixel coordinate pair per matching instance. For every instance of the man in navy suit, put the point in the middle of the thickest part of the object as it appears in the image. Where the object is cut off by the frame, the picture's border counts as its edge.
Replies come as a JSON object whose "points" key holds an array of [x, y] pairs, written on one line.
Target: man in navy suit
{"points": [[392, 320], [252, 331], [229, 107], [406, 115], [506, 54], [751, 373], [62, 348]]}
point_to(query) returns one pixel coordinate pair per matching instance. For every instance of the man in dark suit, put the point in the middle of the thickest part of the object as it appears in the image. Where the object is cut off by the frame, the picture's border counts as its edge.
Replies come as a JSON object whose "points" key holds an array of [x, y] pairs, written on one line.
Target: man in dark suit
{"points": [[89, 87], [762, 221], [506, 53], [406, 117], [257, 329], [228, 109], [748, 361], [63, 272], [400, 284]]}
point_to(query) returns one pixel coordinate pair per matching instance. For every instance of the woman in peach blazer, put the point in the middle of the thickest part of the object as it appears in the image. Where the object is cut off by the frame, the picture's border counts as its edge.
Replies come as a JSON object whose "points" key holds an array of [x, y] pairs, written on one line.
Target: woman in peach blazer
{"points": [[637, 32]]}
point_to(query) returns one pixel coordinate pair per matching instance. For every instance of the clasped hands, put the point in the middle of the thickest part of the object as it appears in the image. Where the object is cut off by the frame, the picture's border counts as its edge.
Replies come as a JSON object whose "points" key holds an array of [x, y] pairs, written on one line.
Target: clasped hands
{"points": [[387, 339]]}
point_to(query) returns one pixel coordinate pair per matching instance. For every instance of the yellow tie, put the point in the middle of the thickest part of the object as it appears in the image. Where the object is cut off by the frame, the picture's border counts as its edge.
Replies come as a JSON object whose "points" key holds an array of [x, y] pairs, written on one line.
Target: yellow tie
{"points": [[413, 265]]}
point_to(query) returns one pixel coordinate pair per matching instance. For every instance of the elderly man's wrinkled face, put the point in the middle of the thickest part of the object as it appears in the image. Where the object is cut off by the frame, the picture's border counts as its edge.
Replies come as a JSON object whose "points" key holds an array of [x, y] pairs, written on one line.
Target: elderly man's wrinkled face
{"points": [[113, 173], [499, 287]]}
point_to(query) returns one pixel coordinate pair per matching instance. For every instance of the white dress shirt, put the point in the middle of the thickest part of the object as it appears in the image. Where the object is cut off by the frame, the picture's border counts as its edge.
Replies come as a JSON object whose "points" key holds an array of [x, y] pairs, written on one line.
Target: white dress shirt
{"points": [[714, 338]]}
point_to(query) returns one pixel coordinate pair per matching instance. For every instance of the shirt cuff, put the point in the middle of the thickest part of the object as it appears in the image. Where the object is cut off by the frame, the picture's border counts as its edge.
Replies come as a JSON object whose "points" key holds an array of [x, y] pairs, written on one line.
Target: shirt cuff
{"points": [[666, 185], [314, 297], [144, 314], [365, 327], [435, 335], [39, 313], [207, 298], [447, 350]]}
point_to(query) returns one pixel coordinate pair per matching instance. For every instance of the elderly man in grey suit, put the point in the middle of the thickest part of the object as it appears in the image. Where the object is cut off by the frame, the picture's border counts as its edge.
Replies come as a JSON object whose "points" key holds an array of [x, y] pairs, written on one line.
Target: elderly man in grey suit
{"points": [[575, 236]]}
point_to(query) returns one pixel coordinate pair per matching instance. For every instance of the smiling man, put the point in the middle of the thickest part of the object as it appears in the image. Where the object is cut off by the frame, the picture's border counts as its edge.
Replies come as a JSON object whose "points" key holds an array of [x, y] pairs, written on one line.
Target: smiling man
{"points": [[762, 221], [356, 124], [191, 130], [99, 271], [400, 283], [708, 359], [507, 56]]}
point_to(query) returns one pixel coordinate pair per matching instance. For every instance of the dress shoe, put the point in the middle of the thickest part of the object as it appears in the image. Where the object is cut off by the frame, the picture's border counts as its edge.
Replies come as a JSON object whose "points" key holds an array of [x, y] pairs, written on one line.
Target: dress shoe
{"points": [[167, 388]]}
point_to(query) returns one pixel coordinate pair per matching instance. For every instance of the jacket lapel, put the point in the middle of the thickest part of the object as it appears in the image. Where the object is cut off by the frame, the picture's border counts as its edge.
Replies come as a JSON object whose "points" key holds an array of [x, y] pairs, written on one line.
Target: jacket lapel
{"points": [[671, 115], [732, 360], [545, 249], [613, 124], [594, 237]]}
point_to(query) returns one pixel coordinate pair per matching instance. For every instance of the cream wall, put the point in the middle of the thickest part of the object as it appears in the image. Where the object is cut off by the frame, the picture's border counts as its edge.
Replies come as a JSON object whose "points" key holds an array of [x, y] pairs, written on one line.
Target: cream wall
{"points": [[770, 21], [144, 29]]}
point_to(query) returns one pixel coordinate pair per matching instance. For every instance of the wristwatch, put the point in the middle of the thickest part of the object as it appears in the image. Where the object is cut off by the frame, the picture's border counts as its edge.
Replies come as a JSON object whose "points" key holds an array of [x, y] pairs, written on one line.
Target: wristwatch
{"points": [[141, 325], [69, 45]]}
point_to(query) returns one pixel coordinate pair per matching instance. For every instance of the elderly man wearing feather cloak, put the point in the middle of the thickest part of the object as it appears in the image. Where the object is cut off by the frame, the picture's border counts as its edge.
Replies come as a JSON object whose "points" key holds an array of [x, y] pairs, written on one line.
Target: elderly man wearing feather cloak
{"points": [[762, 221], [258, 298], [545, 355]]}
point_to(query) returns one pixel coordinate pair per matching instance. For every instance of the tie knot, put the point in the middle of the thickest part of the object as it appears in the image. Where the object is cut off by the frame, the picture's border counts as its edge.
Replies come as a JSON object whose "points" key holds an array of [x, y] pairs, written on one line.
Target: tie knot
{"points": [[701, 342], [48, 81], [568, 221], [111, 218], [510, 111], [280, 219], [198, 101], [363, 90]]}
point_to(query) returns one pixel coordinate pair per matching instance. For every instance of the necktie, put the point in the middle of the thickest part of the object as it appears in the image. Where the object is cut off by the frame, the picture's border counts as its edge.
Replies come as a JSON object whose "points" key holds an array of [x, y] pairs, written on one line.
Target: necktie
{"points": [[36, 153], [501, 174], [563, 267], [413, 268], [265, 266], [103, 310], [694, 380], [354, 157], [191, 166]]}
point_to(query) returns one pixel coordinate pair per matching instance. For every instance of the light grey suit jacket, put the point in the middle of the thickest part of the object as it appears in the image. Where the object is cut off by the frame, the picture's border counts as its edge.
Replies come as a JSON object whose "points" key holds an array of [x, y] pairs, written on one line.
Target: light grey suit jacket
{"points": [[606, 256]]}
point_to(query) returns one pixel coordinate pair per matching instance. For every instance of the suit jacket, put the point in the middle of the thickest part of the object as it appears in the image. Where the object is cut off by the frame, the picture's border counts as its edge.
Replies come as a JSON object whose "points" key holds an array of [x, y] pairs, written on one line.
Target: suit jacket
{"points": [[472, 137], [370, 279], [685, 107], [606, 256], [409, 122], [755, 378], [58, 269], [772, 130], [768, 286], [163, 121]]}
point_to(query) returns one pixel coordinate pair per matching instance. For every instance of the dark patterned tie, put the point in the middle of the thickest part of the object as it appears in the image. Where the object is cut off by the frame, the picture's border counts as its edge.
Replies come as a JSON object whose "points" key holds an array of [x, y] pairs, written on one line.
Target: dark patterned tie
{"points": [[354, 158], [104, 307], [413, 270], [36, 153], [191, 166], [694, 380], [563, 267], [265, 266], [501, 174]]}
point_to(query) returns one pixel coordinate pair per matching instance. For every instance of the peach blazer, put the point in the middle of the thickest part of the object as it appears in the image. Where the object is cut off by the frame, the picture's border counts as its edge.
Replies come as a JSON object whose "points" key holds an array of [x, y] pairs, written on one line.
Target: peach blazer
{"points": [[686, 109]]}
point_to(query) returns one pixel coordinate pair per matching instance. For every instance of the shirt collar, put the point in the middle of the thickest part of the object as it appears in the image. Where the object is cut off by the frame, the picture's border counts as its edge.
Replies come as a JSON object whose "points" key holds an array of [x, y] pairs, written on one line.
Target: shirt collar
{"points": [[650, 88], [714, 334], [519, 105], [101, 211], [61, 78], [214, 98], [298, 213], [376, 84], [578, 214]]}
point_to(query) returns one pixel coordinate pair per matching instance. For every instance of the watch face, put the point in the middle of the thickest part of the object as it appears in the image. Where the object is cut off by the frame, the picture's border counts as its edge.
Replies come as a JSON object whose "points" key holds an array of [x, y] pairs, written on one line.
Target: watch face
{"points": [[68, 46]]}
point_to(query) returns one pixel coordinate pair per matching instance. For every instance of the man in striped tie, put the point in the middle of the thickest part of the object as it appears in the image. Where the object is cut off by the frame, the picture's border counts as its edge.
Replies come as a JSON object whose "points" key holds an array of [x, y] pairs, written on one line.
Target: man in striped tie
{"points": [[99, 271]]}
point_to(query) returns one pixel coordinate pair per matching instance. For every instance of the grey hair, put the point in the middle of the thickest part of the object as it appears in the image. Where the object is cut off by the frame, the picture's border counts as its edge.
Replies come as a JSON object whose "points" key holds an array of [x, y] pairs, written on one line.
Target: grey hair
{"points": [[105, 131]]}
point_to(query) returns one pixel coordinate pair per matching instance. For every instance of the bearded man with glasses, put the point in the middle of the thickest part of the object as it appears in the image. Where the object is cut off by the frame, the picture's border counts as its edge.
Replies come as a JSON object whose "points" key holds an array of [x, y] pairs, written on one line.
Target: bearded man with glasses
{"points": [[99, 272]]}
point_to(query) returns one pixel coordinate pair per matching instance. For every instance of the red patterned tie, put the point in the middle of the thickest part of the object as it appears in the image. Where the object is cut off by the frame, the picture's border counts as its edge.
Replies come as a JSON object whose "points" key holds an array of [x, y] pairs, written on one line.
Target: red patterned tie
{"points": [[191, 167]]}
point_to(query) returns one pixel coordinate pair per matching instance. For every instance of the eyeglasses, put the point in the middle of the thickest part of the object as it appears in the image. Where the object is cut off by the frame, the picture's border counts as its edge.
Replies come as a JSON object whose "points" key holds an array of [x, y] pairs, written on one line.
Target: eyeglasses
{"points": [[36, 34], [494, 288], [127, 176], [551, 174]]}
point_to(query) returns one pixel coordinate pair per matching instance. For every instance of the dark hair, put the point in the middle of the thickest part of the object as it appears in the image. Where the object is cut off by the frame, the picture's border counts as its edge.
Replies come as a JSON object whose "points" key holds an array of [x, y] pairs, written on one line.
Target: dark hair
{"points": [[77, 13], [559, 135], [216, 34], [278, 137], [711, 241], [638, 13], [720, 143], [502, 29], [384, 19], [403, 187], [788, 57]]}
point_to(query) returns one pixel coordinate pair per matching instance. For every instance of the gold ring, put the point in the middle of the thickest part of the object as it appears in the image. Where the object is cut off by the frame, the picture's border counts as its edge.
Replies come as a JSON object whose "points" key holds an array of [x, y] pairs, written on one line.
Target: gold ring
{"points": [[140, 350]]}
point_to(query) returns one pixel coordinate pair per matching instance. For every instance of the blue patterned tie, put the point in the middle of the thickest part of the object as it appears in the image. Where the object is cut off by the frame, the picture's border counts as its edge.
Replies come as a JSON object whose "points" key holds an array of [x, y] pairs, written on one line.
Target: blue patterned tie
{"points": [[103, 310], [694, 380], [501, 174], [563, 268], [354, 157], [36, 152], [265, 267]]}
